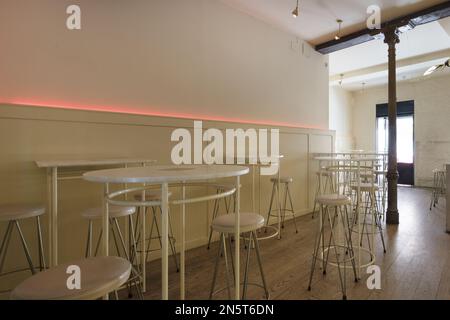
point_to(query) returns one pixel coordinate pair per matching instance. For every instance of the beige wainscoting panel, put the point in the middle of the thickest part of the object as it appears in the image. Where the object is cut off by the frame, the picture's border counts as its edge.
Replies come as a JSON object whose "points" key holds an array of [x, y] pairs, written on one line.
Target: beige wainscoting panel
{"points": [[30, 133]]}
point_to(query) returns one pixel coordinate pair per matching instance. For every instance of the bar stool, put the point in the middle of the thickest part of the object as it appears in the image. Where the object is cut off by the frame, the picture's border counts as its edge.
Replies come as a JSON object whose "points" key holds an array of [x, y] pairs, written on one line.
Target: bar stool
{"points": [[13, 214], [319, 190], [286, 181], [343, 252], [99, 276], [155, 195], [115, 213], [249, 224], [369, 199], [216, 207], [439, 188], [382, 185]]}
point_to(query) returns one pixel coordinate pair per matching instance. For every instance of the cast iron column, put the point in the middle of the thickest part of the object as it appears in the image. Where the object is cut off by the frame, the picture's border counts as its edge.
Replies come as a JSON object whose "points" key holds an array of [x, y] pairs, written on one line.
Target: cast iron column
{"points": [[392, 216]]}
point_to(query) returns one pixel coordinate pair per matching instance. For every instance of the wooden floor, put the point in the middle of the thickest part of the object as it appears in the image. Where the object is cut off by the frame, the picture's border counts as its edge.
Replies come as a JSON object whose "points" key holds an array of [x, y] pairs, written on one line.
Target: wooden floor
{"points": [[416, 265]]}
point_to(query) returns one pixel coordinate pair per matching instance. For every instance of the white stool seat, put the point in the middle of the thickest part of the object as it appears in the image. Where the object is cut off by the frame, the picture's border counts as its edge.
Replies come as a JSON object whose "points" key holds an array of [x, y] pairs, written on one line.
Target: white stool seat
{"points": [[248, 222], [99, 276], [439, 171], [114, 212], [150, 195], [365, 187], [20, 211], [282, 179], [334, 200]]}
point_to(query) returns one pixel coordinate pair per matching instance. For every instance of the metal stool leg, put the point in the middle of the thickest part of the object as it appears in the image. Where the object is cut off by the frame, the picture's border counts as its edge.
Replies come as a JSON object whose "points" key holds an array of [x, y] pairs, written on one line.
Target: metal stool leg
{"points": [[89, 241], [134, 274], [283, 210], [42, 264], [342, 281], [315, 197], [230, 248], [319, 240], [348, 239], [292, 208], [98, 243], [216, 266], [122, 242], [215, 211], [432, 191], [258, 256], [6, 240], [25, 247], [113, 232], [332, 225], [172, 244], [278, 185], [269, 213], [133, 255], [222, 246], [380, 228], [133, 244], [247, 262], [154, 222], [5, 244]]}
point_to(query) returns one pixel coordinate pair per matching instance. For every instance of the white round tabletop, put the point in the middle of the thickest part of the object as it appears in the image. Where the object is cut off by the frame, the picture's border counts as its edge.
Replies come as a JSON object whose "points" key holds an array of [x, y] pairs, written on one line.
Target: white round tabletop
{"points": [[165, 174]]}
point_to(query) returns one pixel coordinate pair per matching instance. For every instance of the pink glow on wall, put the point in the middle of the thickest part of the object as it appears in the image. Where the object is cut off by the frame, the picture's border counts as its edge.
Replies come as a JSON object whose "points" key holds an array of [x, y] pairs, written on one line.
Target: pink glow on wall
{"points": [[135, 111]]}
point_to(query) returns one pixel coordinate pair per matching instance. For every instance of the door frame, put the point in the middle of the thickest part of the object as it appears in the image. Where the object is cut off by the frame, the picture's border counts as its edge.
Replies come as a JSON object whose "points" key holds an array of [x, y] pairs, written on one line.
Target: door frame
{"points": [[404, 108]]}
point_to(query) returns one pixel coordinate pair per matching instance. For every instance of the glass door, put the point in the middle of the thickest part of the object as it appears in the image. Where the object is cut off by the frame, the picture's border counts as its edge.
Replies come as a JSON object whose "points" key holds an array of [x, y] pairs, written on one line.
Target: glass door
{"points": [[405, 145]]}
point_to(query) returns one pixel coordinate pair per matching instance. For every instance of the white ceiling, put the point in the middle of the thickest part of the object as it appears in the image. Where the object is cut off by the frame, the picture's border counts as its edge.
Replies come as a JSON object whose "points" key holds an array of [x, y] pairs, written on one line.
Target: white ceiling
{"points": [[418, 50], [367, 62], [422, 40], [413, 72], [317, 20]]}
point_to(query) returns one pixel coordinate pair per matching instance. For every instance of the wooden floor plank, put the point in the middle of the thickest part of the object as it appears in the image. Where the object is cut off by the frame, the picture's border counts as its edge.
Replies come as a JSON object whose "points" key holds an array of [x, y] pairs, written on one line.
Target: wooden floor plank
{"points": [[415, 266]]}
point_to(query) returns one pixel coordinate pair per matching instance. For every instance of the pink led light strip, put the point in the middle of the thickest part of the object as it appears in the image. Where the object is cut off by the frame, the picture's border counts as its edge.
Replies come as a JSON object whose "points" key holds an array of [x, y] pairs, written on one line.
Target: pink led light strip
{"points": [[128, 110]]}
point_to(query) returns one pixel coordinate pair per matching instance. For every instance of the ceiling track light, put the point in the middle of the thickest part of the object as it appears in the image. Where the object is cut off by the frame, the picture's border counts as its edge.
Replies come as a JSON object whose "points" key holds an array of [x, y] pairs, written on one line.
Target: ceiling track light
{"points": [[338, 35], [295, 11], [341, 79]]}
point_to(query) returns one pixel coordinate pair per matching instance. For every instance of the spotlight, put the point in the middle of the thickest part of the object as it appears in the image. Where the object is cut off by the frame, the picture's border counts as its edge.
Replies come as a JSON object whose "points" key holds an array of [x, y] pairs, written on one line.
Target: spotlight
{"points": [[338, 35], [295, 11]]}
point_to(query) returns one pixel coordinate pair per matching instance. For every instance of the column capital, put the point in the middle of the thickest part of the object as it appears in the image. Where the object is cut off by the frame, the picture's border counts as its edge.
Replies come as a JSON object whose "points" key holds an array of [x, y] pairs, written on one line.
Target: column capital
{"points": [[391, 35]]}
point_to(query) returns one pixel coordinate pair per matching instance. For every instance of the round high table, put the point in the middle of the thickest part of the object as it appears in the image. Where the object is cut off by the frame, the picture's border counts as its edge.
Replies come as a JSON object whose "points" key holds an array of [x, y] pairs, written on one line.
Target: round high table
{"points": [[357, 163], [163, 176]]}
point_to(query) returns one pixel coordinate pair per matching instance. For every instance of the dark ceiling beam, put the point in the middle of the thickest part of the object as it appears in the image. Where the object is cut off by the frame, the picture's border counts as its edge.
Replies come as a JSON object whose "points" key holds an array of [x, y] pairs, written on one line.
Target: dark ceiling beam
{"points": [[418, 18]]}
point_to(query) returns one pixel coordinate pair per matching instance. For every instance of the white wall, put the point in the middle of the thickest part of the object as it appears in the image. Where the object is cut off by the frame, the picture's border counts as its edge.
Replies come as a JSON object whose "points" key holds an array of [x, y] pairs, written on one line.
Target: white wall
{"points": [[432, 122], [197, 58], [183, 58], [341, 117]]}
